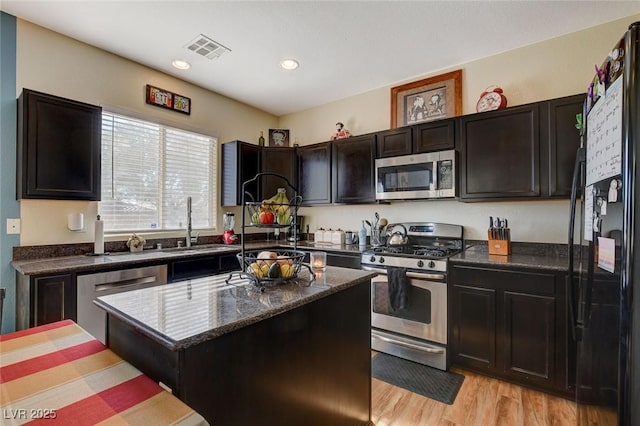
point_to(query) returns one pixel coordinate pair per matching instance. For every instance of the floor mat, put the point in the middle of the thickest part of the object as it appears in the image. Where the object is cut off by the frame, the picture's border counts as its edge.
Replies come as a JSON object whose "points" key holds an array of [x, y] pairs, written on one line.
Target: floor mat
{"points": [[440, 385]]}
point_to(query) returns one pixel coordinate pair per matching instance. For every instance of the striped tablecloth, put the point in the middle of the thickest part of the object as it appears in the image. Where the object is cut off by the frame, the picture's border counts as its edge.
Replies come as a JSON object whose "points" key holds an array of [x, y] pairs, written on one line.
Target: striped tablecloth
{"points": [[60, 374]]}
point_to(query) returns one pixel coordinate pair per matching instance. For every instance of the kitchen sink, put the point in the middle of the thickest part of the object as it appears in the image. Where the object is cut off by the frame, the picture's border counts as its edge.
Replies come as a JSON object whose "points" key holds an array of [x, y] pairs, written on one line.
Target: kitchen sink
{"points": [[204, 247]]}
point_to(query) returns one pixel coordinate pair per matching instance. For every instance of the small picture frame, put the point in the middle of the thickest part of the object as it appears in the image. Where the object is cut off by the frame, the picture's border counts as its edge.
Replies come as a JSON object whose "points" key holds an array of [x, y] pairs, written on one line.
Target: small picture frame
{"points": [[278, 137]]}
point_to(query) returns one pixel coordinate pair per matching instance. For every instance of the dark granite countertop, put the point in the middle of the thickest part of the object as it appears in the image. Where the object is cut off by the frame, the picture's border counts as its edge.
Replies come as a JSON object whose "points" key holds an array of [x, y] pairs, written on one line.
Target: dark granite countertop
{"points": [[479, 255], [185, 313], [82, 263]]}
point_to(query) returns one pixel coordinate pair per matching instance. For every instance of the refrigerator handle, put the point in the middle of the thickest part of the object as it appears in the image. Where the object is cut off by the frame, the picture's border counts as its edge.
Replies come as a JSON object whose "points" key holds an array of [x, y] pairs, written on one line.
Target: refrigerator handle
{"points": [[580, 159]]}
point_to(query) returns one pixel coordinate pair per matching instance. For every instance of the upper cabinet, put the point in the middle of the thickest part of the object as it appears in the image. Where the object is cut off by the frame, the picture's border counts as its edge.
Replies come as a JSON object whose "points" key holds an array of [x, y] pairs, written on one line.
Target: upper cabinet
{"points": [[353, 172], [314, 173], [59, 143], [499, 154], [426, 137], [522, 152], [242, 161], [395, 142], [562, 139], [338, 172], [434, 136], [280, 161]]}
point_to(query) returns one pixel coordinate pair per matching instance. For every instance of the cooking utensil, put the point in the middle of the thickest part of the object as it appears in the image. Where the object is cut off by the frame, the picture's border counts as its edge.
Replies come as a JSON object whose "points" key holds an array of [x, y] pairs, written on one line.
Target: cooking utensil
{"points": [[398, 237], [383, 222], [375, 223]]}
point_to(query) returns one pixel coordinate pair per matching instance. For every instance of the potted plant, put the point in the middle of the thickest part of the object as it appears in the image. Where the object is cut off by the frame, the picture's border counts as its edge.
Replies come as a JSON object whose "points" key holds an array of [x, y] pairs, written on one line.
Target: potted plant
{"points": [[135, 243]]}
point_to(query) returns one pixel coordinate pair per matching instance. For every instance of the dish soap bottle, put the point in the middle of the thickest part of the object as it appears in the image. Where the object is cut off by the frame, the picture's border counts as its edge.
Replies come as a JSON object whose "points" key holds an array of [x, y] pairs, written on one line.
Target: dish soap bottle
{"points": [[362, 236]]}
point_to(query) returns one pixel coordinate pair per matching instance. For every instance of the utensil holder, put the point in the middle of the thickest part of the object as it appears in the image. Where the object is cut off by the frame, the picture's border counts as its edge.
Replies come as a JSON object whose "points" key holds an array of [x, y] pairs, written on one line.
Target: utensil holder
{"points": [[500, 247]]}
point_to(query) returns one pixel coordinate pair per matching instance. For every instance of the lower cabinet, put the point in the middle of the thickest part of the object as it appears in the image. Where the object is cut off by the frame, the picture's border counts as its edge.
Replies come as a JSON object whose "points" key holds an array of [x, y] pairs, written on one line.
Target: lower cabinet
{"points": [[44, 299], [202, 266], [511, 324]]}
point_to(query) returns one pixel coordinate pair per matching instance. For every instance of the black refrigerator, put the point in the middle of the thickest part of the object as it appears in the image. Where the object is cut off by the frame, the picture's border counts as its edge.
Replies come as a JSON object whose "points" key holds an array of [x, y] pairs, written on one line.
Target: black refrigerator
{"points": [[604, 265]]}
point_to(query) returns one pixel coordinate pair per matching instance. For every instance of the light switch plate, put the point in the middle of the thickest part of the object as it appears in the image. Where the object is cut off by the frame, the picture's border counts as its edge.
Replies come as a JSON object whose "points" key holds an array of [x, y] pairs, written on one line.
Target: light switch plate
{"points": [[13, 226]]}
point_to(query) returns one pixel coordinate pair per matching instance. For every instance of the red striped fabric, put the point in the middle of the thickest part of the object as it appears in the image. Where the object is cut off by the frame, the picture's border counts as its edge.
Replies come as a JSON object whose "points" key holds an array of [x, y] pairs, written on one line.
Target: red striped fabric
{"points": [[44, 362], [34, 330], [104, 404]]}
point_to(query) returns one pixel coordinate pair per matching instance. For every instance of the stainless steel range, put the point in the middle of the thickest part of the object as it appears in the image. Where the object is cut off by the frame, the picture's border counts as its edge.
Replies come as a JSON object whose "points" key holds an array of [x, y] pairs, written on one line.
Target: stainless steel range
{"points": [[409, 297]]}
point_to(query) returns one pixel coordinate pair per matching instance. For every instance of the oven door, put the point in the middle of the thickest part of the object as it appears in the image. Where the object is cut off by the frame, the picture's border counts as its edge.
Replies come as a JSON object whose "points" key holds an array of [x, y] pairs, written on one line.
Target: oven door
{"points": [[425, 316]]}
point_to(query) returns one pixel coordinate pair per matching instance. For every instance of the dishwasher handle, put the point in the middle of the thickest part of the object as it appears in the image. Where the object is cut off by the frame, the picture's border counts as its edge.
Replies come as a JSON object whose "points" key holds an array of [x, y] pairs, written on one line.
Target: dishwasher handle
{"points": [[125, 284]]}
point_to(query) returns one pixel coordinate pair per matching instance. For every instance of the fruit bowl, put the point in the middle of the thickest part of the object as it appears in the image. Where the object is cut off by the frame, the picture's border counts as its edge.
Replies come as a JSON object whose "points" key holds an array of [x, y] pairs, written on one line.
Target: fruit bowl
{"points": [[271, 266], [272, 214]]}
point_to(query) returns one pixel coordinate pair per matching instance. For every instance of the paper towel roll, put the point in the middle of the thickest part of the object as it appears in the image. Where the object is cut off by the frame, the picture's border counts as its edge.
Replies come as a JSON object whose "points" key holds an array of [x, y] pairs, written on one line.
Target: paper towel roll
{"points": [[98, 238], [75, 221]]}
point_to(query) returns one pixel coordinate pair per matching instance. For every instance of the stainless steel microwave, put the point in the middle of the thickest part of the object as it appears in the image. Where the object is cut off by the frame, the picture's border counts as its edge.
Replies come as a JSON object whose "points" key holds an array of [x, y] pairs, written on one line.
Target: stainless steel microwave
{"points": [[419, 176]]}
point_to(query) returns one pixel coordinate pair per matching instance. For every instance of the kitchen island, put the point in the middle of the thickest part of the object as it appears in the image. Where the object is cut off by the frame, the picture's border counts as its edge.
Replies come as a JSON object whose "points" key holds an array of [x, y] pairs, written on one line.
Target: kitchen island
{"points": [[297, 353]]}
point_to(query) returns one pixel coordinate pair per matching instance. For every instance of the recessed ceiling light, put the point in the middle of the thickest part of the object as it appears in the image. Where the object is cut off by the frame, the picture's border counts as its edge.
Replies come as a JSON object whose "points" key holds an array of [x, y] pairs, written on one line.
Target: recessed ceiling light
{"points": [[181, 65], [289, 64]]}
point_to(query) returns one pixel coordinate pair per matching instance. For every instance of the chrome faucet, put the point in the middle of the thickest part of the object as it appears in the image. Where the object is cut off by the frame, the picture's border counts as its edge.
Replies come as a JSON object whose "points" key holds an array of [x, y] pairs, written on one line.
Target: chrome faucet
{"points": [[189, 229]]}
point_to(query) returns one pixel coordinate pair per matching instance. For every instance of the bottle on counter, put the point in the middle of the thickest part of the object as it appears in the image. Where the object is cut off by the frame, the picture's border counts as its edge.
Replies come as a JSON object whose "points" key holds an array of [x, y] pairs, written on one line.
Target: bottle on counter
{"points": [[98, 237], [362, 236], [261, 138]]}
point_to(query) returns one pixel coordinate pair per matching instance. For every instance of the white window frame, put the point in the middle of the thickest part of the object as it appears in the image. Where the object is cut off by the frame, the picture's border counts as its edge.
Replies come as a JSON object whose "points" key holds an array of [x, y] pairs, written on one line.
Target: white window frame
{"points": [[214, 170]]}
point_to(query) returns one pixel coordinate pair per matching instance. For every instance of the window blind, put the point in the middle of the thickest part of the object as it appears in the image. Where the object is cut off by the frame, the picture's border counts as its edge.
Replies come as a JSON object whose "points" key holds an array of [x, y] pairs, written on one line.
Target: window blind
{"points": [[149, 170]]}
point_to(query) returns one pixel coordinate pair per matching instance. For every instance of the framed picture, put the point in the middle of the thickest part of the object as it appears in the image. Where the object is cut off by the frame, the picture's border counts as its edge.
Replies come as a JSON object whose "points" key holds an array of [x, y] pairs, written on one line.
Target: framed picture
{"points": [[279, 137], [433, 98], [166, 99]]}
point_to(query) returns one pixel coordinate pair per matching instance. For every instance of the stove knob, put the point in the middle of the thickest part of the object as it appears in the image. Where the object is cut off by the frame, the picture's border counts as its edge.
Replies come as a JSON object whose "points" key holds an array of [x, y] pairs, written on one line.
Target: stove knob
{"points": [[432, 264], [372, 259], [420, 263], [381, 259]]}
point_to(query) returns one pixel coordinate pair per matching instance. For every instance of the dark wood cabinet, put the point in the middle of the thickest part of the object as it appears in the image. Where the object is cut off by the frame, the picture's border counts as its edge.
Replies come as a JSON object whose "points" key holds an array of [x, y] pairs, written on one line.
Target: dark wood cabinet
{"points": [[353, 170], [474, 326], [43, 299], [202, 266], [511, 324], [396, 142], [240, 162], [434, 136], [561, 141], [314, 173], [59, 146], [427, 137], [522, 152], [500, 154], [247, 376], [281, 161]]}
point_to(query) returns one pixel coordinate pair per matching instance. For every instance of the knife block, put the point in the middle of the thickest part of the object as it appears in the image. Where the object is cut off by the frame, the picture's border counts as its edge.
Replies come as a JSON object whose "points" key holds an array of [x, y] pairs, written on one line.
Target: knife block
{"points": [[501, 247]]}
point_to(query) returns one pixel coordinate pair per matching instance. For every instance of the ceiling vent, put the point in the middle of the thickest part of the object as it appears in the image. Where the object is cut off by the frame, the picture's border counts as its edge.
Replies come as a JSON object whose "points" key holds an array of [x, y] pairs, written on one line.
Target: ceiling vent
{"points": [[204, 46]]}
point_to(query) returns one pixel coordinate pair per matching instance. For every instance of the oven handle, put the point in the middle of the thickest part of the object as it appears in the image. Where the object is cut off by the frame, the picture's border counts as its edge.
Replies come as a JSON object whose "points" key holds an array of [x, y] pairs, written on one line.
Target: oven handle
{"points": [[406, 344], [416, 275]]}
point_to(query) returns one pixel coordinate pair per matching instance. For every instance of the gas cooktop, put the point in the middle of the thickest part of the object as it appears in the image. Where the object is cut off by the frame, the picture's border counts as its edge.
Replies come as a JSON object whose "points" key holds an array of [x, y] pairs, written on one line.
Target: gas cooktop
{"points": [[428, 246]]}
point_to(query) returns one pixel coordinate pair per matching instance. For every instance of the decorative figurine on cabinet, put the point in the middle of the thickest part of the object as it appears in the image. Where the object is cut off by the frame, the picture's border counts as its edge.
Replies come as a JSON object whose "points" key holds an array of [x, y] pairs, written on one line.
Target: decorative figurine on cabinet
{"points": [[341, 132]]}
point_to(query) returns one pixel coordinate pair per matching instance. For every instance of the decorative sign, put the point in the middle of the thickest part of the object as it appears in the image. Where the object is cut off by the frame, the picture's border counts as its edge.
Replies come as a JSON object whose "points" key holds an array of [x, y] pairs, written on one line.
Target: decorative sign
{"points": [[165, 99]]}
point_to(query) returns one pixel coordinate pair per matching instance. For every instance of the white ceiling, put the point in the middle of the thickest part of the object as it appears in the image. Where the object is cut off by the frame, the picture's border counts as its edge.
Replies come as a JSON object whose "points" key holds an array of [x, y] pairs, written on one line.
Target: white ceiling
{"points": [[344, 47]]}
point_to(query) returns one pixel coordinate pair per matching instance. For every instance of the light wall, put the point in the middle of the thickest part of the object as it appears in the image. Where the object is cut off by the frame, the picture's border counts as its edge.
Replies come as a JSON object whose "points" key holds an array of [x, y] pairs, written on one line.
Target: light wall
{"points": [[52, 63], [559, 67]]}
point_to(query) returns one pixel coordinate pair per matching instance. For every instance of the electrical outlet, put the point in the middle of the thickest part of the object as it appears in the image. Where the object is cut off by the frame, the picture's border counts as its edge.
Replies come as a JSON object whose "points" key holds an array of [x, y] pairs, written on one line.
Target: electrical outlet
{"points": [[13, 226]]}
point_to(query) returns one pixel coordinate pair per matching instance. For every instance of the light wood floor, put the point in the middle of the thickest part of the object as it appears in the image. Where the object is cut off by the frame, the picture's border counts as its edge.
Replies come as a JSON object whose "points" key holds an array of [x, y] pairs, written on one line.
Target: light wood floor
{"points": [[481, 401]]}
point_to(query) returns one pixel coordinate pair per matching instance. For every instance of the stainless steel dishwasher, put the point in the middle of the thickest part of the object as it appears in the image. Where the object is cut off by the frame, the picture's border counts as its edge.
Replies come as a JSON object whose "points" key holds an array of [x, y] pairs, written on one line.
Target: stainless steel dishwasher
{"points": [[90, 286]]}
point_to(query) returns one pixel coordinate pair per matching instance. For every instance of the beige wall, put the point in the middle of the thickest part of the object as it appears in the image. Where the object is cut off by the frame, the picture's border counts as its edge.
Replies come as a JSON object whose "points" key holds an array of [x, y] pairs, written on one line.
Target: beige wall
{"points": [[52, 63], [551, 69]]}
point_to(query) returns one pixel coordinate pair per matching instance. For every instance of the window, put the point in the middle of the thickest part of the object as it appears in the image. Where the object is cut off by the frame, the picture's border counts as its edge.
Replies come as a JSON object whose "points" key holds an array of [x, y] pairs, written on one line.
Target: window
{"points": [[149, 170]]}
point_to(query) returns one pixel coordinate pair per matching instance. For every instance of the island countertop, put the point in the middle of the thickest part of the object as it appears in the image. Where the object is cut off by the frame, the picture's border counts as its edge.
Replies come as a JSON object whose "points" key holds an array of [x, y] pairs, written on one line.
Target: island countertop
{"points": [[186, 313]]}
